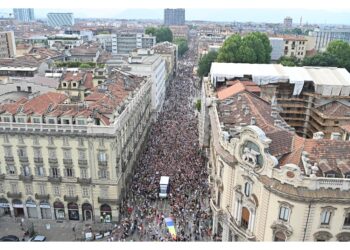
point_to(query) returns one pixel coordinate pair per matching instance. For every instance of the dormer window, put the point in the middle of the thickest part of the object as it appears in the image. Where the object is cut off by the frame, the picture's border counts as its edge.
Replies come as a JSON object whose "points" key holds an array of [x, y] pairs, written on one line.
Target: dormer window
{"points": [[330, 175], [65, 121], [36, 120], [6, 119], [81, 122], [51, 121], [20, 120], [64, 85], [74, 84]]}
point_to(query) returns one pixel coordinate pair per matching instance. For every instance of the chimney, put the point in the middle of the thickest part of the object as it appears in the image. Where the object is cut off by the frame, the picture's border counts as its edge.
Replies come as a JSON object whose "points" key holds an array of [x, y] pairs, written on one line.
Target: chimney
{"points": [[318, 135], [239, 97], [335, 136], [252, 121], [274, 114], [277, 123]]}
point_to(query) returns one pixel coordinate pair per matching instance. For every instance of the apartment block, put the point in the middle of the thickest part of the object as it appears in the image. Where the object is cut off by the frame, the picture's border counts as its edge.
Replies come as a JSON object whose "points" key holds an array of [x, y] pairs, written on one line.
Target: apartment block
{"points": [[7, 44], [174, 17], [60, 19]]}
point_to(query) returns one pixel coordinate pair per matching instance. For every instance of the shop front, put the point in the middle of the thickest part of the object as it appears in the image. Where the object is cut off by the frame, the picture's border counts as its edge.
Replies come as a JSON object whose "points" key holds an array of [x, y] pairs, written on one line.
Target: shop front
{"points": [[45, 210], [4, 207], [18, 208], [31, 209], [59, 210], [87, 211], [106, 213], [73, 211]]}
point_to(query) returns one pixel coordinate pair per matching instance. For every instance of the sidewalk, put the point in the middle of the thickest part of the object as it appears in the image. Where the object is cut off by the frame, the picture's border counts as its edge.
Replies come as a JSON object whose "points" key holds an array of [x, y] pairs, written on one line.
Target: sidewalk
{"points": [[53, 230]]}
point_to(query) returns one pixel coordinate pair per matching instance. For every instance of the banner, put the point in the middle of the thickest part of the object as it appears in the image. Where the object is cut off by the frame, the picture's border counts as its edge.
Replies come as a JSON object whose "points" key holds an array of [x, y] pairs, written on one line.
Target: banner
{"points": [[170, 224]]}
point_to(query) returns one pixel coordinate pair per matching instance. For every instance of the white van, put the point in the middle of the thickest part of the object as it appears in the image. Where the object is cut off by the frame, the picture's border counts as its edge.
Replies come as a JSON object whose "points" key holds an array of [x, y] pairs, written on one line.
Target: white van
{"points": [[164, 186]]}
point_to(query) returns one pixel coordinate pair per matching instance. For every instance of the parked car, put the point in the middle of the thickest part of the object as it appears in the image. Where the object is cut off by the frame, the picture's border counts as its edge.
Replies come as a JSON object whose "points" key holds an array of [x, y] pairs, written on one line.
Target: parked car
{"points": [[9, 238], [38, 238]]}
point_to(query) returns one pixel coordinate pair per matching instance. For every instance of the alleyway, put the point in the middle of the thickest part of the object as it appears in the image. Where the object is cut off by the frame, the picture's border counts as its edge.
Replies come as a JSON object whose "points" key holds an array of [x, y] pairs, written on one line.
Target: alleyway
{"points": [[172, 150]]}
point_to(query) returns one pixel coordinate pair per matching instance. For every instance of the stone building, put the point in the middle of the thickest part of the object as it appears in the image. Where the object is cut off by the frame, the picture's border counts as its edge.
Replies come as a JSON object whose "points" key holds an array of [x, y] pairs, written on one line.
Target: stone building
{"points": [[268, 183], [72, 161]]}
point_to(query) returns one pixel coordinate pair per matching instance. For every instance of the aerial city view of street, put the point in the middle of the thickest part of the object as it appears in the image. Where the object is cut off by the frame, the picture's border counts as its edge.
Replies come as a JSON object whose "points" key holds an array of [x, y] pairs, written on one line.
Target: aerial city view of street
{"points": [[171, 124]]}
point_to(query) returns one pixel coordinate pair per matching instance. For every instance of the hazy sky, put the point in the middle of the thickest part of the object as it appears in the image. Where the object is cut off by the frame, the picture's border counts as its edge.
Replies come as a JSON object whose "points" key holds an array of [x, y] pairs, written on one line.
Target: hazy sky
{"points": [[321, 11]]}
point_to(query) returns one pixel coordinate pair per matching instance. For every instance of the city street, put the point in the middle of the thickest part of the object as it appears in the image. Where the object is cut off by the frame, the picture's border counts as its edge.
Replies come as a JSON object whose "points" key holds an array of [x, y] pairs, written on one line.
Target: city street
{"points": [[172, 150]]}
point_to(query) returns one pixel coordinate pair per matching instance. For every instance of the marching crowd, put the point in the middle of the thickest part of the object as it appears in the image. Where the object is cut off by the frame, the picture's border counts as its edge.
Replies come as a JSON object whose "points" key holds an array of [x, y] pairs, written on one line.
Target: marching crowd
{"points": [[172, 150]]}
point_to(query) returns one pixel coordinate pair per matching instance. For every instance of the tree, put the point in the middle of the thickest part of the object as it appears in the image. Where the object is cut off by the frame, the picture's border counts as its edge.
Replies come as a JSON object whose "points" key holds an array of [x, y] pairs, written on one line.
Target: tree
{"points": [[162, 34], [182, 46], [252, 48], [289, 61], [336, 55], [205, 63]]}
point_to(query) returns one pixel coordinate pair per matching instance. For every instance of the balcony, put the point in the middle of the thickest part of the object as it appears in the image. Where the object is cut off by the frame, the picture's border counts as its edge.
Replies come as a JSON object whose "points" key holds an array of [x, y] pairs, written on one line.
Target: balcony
{"points": [[70, 198], [82, 162], [9, 159], [68, 162], [54, 179], [103, 163], [26, 178], [108, 201], [23, 159], [14, 195], [84, 181], [53, 160], [2, 177], [42, 196], [38, 160]]}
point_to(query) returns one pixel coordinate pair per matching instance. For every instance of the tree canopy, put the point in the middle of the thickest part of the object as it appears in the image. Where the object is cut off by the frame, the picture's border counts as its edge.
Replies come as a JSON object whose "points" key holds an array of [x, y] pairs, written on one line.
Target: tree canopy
{"points": [[336, 55], [162, 34], [290, 61], [205, 63], [182, 46], [252, 48]]}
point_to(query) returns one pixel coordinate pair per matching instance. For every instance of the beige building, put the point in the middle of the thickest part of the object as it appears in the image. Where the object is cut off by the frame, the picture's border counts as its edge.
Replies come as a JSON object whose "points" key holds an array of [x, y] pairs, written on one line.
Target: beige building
{"points": [[267, 183], [180, 32], [7, 44], [295, 46], [169, 52], [72, 161]]}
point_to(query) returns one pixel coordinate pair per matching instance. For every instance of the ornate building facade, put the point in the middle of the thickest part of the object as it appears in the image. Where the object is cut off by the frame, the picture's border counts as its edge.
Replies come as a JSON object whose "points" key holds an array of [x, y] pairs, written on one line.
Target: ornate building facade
{"points": [[72, 161], [268, 183]]}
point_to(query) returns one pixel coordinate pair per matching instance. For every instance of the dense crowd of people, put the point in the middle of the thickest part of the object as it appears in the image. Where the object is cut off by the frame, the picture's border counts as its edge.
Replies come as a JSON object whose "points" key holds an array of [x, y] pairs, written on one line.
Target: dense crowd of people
{"points": [[172, 150]]}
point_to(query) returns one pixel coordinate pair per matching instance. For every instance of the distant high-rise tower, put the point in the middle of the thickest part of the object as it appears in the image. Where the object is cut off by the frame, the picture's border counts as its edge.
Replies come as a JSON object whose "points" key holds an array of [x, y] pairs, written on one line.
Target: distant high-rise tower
{"points": [[288, 22], [24, 15], [174, 17], [60, 19]]}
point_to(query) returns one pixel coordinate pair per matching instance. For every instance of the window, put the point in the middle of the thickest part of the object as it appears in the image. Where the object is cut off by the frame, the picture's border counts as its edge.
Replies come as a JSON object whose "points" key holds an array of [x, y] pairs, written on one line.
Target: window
{"points": [[6, 119], [51, 140], [245, 217], [69, 172], [55, 172], [20, 139], [82, 154], [36, 120], [80, 142], [247, 188], [67, 154], [37, 153], [42, 189], [65, 121], [74, 84], [40, 171], [330, 175], [52, 153], [20, 120], [102, 156], [14, 188], [65, 141], [11, 169], [70, 191], [18, 88], [6, 139], [85, 192], [56, 190], [51, 121], [284, 213], [80, 122], [325, 217], [22, 152], [103, 174], [8, 152], [29, 189], [347, 220], [101, 142], [64, 85], [35, 140], [29, 89], [83, 173], [26, 171]]}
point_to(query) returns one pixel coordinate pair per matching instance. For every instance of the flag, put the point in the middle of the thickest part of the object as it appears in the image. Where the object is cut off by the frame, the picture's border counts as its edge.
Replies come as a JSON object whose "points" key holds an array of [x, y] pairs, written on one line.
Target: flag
{"points": [[170, 225]]}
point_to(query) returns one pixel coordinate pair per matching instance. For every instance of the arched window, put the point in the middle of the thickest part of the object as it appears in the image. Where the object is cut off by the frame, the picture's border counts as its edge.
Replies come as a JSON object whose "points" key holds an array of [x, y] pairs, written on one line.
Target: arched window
{"points": [[279, 236], [245, 217]]}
